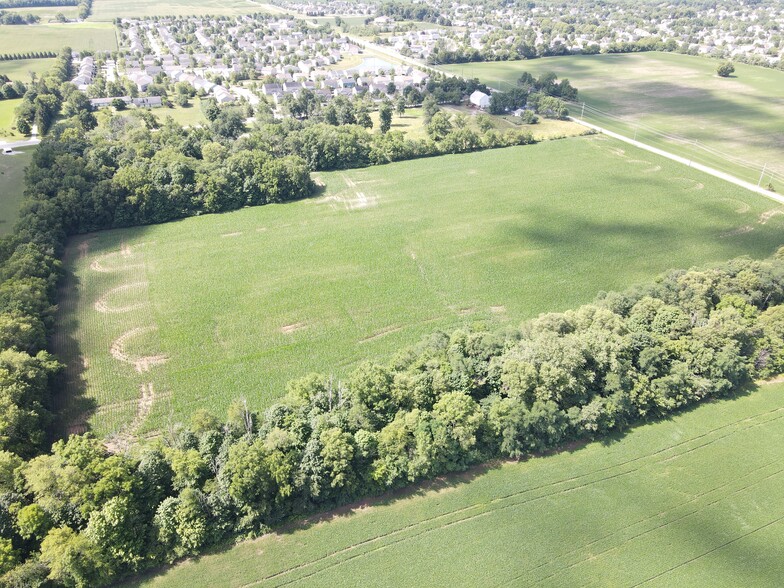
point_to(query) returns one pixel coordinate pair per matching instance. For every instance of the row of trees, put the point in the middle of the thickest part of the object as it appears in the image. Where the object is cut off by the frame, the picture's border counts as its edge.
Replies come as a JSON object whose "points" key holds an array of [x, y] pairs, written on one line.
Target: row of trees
{"points": [[36, 3], [11, 89], [15, 18], [28, 55], [82, 517]]}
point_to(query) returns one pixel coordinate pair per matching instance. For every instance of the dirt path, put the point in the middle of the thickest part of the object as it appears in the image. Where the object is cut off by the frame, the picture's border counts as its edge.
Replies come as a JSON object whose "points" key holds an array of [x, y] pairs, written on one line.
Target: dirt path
{"points": [[703, 168]]}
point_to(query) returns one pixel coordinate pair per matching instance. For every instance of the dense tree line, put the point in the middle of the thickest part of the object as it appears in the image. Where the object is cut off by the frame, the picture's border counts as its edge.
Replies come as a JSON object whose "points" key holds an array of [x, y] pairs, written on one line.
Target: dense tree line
{"points": [[11, 89], [36, 3], [15, 18], [407, 11], [82, 517]]}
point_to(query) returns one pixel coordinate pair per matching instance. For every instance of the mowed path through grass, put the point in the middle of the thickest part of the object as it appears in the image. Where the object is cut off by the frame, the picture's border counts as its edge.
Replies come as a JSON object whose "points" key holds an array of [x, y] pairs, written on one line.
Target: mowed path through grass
{"points": [[734, 124], [696, 500], [221, 307], [12, 186]]}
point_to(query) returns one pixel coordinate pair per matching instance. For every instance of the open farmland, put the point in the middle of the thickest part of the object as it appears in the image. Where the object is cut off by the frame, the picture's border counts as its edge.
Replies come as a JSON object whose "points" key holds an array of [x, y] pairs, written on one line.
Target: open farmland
{"points": [[108, 10], [696, 500], [47, 13], [12, 181], [53, 37], [200, 312], [734, 124]]}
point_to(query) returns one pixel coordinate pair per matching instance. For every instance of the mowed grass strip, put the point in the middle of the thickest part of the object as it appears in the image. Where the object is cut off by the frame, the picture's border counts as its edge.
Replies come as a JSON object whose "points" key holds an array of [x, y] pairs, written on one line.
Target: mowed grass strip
{"points": [[741, 116], [696, 500], [243, 302], [53, 37]]}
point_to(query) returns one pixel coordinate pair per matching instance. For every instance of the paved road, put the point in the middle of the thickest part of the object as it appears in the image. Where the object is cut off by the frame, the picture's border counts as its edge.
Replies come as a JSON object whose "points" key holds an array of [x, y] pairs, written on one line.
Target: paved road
{"points": [[703, 168], [15, 144]]}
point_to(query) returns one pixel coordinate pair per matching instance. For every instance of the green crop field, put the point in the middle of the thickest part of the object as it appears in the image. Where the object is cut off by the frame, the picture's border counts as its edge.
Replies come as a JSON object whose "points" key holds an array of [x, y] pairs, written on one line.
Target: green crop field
{"points": [[734, 124], [697, 500], [19, 69], [12, 186], [107, 10], [218, 307], [53, 37]]}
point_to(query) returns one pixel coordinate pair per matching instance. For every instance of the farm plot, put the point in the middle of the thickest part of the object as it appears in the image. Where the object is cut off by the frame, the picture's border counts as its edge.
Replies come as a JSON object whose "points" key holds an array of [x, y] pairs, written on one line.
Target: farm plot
{"points": [[696, 500], [216, 308], [674, 102], [53, 37], [108, 10], [20, 69]]}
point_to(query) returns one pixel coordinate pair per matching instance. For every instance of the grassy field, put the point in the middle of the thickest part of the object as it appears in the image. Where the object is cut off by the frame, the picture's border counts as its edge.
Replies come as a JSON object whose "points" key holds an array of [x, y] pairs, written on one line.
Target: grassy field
{"points": [[697, 500], [675, 102], [12, 186], [7, 120], [219, 307], [108, 10], [53, 37], [413, 124], [188, 116], [19, 69]]}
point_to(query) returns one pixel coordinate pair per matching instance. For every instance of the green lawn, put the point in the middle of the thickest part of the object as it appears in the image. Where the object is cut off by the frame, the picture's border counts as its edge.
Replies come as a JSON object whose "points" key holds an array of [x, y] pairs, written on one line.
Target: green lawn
{"points": [[737, 123], [12, 186], [237, 304], [107, 10], [191, 115], [53, 37], [8, 121], [19, 69], [693, 501]]}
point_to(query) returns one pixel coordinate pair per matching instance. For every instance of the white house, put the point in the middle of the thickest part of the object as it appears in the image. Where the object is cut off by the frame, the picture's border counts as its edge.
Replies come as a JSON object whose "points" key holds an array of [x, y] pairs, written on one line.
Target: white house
{"points": [[479, 99]]}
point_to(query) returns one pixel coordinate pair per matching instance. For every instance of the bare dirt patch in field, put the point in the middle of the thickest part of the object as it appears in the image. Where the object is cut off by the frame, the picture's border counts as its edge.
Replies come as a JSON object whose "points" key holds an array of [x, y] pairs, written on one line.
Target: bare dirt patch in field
{"points": [[381, 333], [739, 231], [498, 309], [769, 214], [237, 234], [292, 328]]}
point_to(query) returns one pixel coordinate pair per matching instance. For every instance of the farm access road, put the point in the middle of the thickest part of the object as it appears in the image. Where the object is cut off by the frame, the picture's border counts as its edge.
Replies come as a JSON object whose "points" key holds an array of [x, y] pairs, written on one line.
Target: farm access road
{"points": [[704, 168]]}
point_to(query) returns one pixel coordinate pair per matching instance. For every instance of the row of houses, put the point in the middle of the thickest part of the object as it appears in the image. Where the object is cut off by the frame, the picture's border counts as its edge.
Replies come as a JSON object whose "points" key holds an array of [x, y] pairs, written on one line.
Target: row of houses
{"points": [[143, 102], [86, 73]]}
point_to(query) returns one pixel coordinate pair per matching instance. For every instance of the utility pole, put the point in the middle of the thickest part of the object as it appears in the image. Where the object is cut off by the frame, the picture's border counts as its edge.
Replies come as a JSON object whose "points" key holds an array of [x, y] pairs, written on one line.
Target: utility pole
{"points": [[582, 114], [764, 167], [635, 133]]}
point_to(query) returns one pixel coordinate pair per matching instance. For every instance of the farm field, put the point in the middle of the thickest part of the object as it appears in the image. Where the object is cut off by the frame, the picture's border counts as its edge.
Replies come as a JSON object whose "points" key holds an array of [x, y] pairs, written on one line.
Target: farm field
{"points": [[734, 124], [19, 69], [108, 10], [201, 312], [12, 181], [696, 500], [53, 37]]}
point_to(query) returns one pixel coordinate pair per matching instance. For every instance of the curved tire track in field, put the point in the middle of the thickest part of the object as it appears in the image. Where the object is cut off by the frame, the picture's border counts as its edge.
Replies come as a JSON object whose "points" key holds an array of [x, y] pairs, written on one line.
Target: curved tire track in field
{"points": [[141, 363], [419, 532], [102, 304]]}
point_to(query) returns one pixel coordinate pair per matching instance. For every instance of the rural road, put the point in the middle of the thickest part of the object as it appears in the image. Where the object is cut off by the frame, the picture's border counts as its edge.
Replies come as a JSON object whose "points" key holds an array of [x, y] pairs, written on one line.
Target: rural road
{"points": [[15, 144], [704, 168]]}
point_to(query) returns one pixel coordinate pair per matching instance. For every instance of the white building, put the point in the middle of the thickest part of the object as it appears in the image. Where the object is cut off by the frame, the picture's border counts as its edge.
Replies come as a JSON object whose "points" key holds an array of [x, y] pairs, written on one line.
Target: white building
{"points": [[479, 99]]}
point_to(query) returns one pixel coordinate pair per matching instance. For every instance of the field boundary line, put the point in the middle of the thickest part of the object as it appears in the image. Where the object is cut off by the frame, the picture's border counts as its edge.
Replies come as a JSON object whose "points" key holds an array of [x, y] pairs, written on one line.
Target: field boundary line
{"points": [[687, 162]]}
